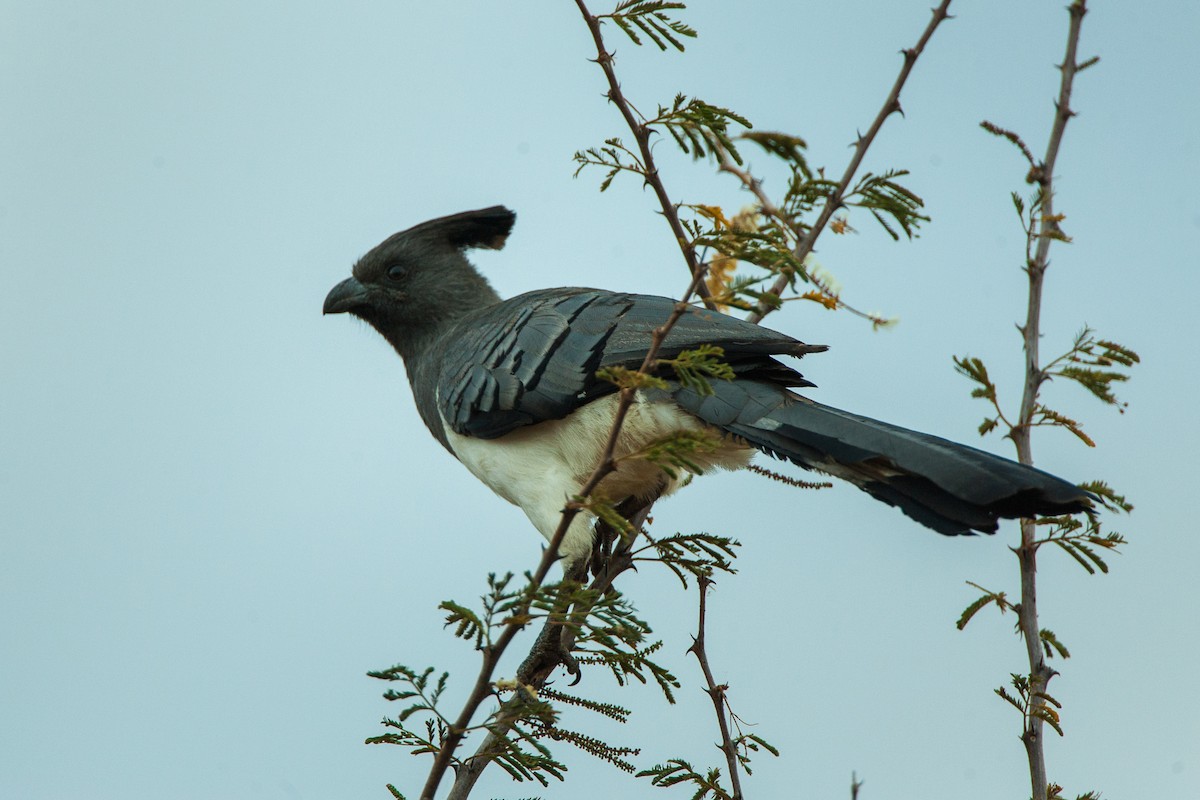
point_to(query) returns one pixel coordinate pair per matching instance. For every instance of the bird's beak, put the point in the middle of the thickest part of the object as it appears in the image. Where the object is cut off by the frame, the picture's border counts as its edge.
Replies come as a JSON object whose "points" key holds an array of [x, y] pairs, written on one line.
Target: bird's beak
{"points": [[345, 296]]}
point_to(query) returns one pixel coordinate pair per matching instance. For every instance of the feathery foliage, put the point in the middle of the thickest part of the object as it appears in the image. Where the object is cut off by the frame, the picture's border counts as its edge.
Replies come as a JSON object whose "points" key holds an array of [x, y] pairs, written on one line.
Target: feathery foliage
{"points": [[612, 156], [694, 368], [650, 17], [695, 554], [699, 128], [678, 452]]}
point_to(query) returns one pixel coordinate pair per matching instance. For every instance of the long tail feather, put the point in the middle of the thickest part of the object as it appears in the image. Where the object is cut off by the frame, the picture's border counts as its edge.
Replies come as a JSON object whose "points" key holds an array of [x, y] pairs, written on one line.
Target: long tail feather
{"points": [[949, 487]]}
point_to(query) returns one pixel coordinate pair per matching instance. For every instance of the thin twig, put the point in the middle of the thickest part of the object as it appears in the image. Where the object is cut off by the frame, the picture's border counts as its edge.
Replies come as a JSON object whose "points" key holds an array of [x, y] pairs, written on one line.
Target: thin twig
{"points": [[752, 185], [641, 134], [768, 207], [1039, 673], [890, 106], [716, 692], [1013, 137]]}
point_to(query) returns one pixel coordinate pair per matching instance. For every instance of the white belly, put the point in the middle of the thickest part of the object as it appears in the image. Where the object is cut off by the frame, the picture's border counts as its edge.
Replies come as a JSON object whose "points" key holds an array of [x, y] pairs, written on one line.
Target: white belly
{"points": [[541, 466]]}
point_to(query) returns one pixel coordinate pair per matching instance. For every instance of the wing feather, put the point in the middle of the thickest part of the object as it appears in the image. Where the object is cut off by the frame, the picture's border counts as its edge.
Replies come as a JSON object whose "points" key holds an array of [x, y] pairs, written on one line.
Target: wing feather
{"points": [[534, 357]]}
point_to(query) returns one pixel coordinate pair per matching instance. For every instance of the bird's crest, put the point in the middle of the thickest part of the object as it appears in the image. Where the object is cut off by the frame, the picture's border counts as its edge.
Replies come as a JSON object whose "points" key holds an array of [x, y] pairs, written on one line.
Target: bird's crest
{"points": [[484, 227]]}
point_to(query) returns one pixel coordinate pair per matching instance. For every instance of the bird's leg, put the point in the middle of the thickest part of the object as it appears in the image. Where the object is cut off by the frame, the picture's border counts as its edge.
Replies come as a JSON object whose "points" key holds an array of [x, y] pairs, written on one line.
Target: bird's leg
{"points": [[602, 546], [554, 643], [632, 509]]}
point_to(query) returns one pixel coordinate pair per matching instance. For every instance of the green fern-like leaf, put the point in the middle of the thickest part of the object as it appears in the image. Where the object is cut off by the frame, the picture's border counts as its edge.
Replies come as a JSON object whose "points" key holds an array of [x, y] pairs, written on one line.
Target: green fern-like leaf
{"points": [[467, 624], [614, 157], [976, 370], [699, 128], [1008, 698], [889, 202], [694, 368], [1107, 495], [625, 378], [1048, 416], [615, 755], [695, 554], [679, 451], [678, 771], [609, 710], [1097, 381], [781, 145], [650, 17], [1052, 645]]}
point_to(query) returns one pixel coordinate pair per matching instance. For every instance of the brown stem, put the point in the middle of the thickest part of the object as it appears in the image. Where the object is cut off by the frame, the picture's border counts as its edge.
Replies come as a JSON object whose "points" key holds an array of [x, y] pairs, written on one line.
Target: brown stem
{"points": [[716, 693], [1039, 673], [890, 106]]}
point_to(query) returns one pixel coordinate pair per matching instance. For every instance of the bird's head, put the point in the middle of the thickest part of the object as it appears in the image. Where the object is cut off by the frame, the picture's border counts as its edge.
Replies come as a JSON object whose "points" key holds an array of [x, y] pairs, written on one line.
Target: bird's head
{"points": [[416, 280]]}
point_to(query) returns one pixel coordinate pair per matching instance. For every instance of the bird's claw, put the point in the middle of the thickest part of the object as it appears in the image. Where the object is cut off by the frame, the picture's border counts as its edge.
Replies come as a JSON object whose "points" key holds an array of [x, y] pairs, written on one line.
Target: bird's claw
{"points": [[549, 652]]}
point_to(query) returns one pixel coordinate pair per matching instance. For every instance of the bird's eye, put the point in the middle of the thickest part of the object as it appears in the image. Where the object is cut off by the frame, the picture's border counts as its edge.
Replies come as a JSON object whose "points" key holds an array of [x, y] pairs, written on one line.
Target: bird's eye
{"points": [[396, 272]]}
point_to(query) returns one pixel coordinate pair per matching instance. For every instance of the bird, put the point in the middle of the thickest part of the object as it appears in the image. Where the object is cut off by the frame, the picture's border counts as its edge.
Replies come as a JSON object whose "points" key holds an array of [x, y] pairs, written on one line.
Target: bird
{"points": [[510, 388]]}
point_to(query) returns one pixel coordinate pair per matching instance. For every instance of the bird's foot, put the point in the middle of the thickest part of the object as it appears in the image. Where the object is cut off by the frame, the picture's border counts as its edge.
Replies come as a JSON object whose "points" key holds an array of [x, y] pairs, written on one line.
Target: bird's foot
{"points": [[548, 652]]}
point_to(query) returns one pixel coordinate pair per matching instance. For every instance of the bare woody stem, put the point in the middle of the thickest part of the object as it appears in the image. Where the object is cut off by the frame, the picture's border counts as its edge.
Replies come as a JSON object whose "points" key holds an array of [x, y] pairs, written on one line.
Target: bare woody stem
{"points": [[1046, 231], [890, 106], [641, 134], [716, 693]]}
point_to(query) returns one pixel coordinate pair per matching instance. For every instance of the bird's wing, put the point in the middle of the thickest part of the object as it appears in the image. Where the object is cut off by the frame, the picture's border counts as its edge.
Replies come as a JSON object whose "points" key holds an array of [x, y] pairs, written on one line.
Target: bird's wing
{"points": [[534, 357]]}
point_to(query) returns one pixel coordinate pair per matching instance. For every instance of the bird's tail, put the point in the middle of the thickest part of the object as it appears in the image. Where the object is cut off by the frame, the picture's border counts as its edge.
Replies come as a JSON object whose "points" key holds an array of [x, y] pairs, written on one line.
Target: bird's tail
{"points": [[949, 487]]}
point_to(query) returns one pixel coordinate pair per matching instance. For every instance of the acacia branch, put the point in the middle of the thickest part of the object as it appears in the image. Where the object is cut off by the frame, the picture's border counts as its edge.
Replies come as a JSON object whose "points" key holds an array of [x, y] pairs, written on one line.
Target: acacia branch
{"points": [[1045, 232], [641, 134], [716, 692], [891, 105]]}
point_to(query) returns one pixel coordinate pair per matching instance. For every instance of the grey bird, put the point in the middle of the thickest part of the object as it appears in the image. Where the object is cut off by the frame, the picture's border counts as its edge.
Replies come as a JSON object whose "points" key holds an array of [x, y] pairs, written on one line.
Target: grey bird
{"points": [[509, 387]]}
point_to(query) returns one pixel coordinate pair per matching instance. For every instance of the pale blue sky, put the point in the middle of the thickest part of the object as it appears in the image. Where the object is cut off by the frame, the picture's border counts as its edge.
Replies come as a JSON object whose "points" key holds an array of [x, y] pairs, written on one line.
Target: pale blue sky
{"points": [[220, 509]]}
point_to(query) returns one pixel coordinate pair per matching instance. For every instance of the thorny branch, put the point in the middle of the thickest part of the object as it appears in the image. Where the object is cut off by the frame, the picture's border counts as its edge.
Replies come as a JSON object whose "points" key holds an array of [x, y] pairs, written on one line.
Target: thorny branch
{"points": [[890, 105], [1035, 376], [716, 692]]}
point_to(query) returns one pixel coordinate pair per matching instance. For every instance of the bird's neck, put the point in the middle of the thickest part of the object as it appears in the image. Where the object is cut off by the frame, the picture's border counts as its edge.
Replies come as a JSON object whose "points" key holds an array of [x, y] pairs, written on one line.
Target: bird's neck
{"points": [[413, 338]]}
